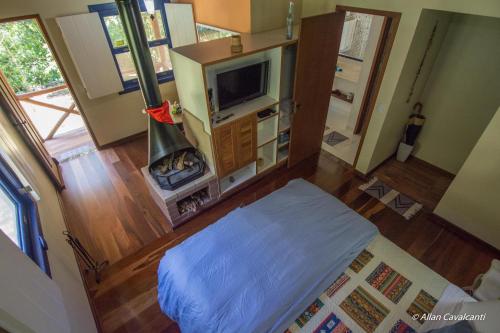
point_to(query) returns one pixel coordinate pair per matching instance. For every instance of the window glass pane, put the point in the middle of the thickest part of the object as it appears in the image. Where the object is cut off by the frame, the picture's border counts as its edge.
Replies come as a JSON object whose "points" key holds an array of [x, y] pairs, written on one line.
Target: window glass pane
{"points": [[126, 66], [115, 30], [8, 217], [161, 58], [159, 54], [153, 25], [206, 33]]}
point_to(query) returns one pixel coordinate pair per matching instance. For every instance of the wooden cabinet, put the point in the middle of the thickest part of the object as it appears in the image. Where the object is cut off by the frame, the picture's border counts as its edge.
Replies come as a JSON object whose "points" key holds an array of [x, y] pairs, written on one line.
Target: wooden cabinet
{"points": [[236, 144]]}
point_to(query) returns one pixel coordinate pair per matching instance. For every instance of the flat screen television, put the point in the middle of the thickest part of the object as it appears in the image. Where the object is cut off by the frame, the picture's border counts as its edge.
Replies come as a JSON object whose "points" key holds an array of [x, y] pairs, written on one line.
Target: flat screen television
{"points": [[242, 84]]}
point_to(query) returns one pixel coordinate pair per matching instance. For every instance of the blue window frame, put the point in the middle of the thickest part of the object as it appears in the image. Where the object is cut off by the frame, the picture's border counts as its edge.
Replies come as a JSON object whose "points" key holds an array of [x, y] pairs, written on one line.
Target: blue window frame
{"points": [[25, 221], [158, 39]]}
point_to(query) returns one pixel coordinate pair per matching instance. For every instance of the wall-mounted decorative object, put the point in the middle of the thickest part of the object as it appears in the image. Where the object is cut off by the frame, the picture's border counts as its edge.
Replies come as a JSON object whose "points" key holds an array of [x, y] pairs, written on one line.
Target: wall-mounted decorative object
{"points": [[419, 71], [289, 21]]}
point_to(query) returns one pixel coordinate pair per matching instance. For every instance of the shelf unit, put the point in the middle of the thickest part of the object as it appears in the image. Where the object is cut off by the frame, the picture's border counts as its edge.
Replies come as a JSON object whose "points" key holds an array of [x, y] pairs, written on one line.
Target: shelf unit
{"points": [[266, 156], [196, 68], [241, 110], [282, 154], [238, 177], [267, 130]]}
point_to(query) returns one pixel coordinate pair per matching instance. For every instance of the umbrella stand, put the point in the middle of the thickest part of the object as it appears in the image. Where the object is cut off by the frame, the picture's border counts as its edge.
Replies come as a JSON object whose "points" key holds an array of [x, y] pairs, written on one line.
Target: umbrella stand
{"points": [[410, 133]]}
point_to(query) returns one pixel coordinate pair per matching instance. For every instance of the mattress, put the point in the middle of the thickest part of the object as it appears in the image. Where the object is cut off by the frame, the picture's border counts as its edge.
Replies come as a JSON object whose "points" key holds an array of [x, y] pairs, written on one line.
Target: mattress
{"points": [[257, 268]]}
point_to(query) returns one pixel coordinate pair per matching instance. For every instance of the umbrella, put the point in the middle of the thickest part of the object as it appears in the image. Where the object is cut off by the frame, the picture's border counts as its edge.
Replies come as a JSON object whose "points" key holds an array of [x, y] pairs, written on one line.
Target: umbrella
{"points": [[414, 125]]}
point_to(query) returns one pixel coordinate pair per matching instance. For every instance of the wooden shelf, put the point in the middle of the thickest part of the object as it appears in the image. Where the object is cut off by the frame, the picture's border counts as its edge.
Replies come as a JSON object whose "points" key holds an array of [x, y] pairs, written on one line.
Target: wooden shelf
{"points": [[266, 142], [284, 144], [350, 69], [342, 96], [238, 177], [266, 156], [219, 50], [239, 111]]}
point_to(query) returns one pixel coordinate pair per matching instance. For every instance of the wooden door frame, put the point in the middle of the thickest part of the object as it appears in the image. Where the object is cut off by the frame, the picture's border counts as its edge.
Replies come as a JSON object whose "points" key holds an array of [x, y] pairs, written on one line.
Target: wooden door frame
{"points": [[65, 76], [377, 71]]}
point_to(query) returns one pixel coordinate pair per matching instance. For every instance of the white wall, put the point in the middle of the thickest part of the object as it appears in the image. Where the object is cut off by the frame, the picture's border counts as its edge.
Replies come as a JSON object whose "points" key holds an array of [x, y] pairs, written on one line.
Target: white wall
{"points": [[462, 93], [399, 109], [18, 271], [30, 299], [472, 200], [111, 117]]}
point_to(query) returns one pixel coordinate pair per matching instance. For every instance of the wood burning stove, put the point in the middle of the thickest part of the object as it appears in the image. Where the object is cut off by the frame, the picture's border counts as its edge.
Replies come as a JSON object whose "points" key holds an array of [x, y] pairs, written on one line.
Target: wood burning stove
{"points": [[178, 168], [173, 161]]}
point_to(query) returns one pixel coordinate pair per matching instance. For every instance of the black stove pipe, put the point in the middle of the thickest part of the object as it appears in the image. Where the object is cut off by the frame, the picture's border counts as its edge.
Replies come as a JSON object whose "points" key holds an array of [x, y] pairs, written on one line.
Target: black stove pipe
{"points": [[163, 138], [130, 15]]}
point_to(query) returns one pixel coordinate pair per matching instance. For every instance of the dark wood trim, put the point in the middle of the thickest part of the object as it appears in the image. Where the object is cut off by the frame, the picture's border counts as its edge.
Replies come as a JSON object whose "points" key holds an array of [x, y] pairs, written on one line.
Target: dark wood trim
{"points": [[384, 48], [30, 136], [45, 34], [341, 96], [367, 11], [121, 141], [83, 276], [349, 57], [363, 112]]}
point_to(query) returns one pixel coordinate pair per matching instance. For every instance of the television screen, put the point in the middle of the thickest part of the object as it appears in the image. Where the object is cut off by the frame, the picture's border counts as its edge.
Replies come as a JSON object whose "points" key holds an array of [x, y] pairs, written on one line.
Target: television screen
{"points": [[242, 84]]}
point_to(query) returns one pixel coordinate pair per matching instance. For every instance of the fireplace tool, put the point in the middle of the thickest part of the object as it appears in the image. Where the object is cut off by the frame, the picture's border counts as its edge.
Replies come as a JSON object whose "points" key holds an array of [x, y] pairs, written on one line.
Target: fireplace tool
{"points": [[91, 265]]}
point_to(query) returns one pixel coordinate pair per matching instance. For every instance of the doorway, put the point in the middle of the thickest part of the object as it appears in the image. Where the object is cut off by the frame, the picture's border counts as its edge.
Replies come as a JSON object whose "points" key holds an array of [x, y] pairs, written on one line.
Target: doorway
{"points": [[36, 80], [367, 37]]}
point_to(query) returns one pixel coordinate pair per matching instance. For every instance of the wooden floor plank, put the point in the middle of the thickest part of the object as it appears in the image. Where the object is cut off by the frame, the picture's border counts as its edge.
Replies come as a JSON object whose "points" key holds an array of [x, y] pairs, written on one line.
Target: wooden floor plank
{"points": [[110, 211]]}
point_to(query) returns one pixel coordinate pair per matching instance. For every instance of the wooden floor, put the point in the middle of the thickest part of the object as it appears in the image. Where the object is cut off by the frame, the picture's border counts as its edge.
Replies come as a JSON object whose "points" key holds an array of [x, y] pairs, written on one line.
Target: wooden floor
{"points": [[110, 211]]}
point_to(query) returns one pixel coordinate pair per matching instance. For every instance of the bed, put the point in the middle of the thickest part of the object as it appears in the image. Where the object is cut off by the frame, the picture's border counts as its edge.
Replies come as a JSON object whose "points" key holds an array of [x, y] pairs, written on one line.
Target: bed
{"points": [[297, 260]]}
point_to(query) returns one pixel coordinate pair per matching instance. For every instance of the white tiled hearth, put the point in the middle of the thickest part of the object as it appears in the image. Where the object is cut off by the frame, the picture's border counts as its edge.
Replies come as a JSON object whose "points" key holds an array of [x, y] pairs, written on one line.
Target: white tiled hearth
{"points": [[168, 201]]}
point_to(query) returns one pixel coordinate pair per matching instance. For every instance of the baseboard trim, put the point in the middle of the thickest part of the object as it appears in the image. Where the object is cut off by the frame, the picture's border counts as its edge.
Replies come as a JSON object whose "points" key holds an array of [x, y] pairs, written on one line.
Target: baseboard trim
{"points": [[430, 165], [465, 235], [123, 140]]}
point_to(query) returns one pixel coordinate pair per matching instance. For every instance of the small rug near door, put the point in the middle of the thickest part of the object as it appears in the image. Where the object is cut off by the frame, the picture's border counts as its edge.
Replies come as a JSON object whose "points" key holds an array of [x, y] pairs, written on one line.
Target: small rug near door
{"points": [[400, 203], [334, 138], [75, 153]]}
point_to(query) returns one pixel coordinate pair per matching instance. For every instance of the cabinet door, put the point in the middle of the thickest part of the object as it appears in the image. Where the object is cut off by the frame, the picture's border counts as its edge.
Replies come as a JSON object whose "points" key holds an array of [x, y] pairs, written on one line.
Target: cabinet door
{"points": [[225, 142], [246, 140]]}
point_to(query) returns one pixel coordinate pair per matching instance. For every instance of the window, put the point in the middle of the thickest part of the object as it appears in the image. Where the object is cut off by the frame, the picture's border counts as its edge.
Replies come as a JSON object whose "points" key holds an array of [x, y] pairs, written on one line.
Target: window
{"points": [[157, 34], [206, 32], [19, 217]]}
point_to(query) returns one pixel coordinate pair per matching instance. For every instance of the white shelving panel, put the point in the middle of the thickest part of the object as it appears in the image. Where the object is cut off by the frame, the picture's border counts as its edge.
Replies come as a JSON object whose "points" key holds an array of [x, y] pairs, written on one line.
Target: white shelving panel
{"points": [[238, 177], [266, 156], [267, 130]]}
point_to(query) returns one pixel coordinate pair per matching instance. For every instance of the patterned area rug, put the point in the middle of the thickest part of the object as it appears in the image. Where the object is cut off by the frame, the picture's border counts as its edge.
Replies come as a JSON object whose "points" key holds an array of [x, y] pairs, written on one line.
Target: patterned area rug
{"points": [[364, 309], [372, 296], [398, 202], [389, 282], [334, 138], [360, 261], [423, 304]]}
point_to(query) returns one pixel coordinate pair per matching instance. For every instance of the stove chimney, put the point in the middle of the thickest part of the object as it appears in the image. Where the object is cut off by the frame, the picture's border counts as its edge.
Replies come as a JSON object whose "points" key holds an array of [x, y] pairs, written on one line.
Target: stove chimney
{"points": [[164, 139]]}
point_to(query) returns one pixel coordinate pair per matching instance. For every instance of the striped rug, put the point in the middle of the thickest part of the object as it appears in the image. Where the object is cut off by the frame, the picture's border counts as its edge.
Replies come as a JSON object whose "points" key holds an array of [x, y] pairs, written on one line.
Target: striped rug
{"points": [[398, 202], [389, 282]]}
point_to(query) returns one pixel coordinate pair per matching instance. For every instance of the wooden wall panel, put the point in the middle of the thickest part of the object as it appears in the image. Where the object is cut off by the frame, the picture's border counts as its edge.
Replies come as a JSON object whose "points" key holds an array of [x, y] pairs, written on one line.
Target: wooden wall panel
{"points": [[232, 15]]}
